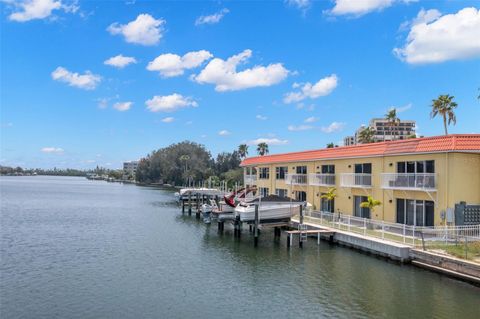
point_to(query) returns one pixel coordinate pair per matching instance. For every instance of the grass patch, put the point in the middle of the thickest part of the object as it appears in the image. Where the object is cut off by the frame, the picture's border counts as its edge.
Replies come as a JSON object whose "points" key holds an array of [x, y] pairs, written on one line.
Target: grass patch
{"points": [[470, 251]]}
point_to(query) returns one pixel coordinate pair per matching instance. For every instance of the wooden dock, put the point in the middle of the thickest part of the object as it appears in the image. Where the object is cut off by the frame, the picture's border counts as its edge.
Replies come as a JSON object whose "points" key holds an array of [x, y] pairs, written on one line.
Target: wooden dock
{"points": [[303, 234]]}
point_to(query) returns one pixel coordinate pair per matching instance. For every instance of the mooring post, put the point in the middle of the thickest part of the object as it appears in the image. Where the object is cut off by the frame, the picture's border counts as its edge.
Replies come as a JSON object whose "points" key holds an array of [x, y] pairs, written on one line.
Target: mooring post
{"points": [[255, 234], [300, 238], [189, 203], [183, 204], [220, 226], [197, 214], [235, 226]]}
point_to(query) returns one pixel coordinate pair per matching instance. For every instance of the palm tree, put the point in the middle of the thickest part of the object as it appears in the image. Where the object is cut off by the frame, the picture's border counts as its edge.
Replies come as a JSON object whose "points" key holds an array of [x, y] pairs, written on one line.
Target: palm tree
{"points": [[370, 203], [445, 106], [330, 195], [330, 145], [185, 158], [392, 121], [262, 149], [366, 135], [243, 150]]}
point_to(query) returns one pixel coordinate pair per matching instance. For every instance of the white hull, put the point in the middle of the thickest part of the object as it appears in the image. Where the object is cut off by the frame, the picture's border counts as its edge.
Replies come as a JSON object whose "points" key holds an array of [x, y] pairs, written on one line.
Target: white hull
{"points": [[267, 211]]}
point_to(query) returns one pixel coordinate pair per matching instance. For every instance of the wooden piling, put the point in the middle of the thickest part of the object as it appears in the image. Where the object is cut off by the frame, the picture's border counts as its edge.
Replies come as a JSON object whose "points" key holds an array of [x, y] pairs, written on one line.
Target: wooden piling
{"points": [[255, 229], [189, 203], [300, 241]]}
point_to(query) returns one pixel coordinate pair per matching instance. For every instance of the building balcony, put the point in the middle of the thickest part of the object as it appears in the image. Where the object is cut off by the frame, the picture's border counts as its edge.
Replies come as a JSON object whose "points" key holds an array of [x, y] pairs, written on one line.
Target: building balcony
{"points": [[296, 179], [356, 180], [249, 179], [409, 181], [321, 179]]}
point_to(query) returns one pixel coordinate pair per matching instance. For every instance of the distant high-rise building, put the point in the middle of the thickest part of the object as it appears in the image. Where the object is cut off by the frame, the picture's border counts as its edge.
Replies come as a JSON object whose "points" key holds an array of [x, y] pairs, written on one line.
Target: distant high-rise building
{"points": [[130, 168], [384, 131], [349, 140]]}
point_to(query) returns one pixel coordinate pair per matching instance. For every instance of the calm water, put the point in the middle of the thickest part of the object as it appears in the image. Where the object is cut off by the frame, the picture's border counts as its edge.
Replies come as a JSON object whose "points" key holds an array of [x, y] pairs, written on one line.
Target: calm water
{"points": [[72, 248]]}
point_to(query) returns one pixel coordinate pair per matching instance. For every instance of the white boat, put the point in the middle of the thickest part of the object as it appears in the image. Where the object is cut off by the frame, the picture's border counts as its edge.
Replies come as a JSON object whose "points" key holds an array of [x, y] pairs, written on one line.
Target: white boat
{"points": [[270, 208]]}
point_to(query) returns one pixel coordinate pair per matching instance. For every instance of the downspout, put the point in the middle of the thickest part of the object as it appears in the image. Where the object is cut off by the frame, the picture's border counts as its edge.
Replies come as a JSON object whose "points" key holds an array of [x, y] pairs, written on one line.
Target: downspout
{"points": [[446, 187]]}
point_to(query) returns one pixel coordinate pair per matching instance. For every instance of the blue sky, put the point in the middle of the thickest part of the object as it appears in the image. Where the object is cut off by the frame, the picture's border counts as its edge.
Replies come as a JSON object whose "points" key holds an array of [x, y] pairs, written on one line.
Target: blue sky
{"points": [[301, 74]]}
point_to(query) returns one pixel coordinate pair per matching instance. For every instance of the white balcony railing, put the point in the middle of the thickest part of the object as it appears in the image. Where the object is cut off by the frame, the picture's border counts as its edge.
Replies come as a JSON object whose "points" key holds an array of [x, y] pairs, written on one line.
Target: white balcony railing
{"points": [[321, 179], [296, 179], [408, 181], [355, 180], [249, 179]]}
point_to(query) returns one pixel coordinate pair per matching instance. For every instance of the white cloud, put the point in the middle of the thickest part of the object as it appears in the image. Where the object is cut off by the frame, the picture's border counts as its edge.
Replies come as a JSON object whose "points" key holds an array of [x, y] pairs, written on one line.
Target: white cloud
{"points": [[269, 141], [170, 65], [168, 119], [334, 127], [34, 9], [402, 108], [122, 106], [145, 30], [169, 103], [424, 16], [120, 61], [223, 74], [311, 119], [435, 39], [87, 81], [300, 4], [261, 117], [213, 18], [52, 150], [294, 128], [358, 8], [224, 133], [103, 102], [323, 87]]}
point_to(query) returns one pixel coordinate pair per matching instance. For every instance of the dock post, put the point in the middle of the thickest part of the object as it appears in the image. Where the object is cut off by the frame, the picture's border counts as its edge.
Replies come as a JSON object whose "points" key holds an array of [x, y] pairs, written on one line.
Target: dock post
{"points": [[235, 226], [300, 240], [183, 205], [250, 228], [190, 203], [255, 234], [197, 214], [220, 226]]}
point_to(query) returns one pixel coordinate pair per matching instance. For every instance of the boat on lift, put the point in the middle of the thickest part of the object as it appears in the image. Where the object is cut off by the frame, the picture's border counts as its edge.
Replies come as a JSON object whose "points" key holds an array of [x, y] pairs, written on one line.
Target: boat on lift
{"points": [[270, 208], [225, 209]]}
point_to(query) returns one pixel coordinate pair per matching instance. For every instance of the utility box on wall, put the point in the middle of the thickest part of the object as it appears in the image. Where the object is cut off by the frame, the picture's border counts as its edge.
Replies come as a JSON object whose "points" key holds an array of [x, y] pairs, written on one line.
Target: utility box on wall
{"points": [[467, 214]]}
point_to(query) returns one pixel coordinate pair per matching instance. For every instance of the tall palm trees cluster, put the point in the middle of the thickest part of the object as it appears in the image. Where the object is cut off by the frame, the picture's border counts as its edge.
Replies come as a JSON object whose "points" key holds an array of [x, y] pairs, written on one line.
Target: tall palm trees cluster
{"points": [[443, 106]]}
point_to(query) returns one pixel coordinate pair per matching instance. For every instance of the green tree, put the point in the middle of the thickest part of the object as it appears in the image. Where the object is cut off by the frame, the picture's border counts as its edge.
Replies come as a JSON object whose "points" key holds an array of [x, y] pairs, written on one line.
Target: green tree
{"points": [[262, 149], [392, 121], [371, 203], [444, 106], [366, 135], [330, 195], [331, 145], [243, 150]]}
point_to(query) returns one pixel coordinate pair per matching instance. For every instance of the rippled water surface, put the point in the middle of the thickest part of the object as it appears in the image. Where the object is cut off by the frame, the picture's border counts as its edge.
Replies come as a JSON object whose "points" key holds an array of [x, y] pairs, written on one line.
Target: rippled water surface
{"points": [[73, 248]]}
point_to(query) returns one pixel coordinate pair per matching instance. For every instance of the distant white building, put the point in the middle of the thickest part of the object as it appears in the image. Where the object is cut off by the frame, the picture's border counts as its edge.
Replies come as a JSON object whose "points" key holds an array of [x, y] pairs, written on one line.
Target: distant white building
{"points": [[130, 168], [349, 140], [384, 131]]}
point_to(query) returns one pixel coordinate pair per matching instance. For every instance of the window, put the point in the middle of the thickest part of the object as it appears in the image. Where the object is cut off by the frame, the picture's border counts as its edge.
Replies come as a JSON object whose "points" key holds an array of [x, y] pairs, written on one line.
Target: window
{"points": [[328, 169], [360, 211], [264, 173], [415, 212], [327, 205], [281, 192], [301, 170], [365, 168], [280, 172], [416, 167], [300, 196], [264, 191]]}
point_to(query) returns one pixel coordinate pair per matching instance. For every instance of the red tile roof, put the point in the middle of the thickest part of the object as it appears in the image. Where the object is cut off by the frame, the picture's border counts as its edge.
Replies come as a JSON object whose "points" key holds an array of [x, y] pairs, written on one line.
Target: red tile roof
{"points": [[434, 144]]}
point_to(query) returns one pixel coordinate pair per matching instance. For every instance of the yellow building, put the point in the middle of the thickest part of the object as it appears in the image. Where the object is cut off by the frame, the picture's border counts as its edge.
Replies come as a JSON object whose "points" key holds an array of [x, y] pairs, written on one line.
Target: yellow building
{"points": [[419, 181]]}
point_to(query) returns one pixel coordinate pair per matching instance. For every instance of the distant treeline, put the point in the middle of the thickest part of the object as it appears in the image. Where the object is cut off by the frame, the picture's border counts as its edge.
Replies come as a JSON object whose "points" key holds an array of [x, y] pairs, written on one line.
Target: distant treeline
{"points": [[6, 170], [189, 162]]}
